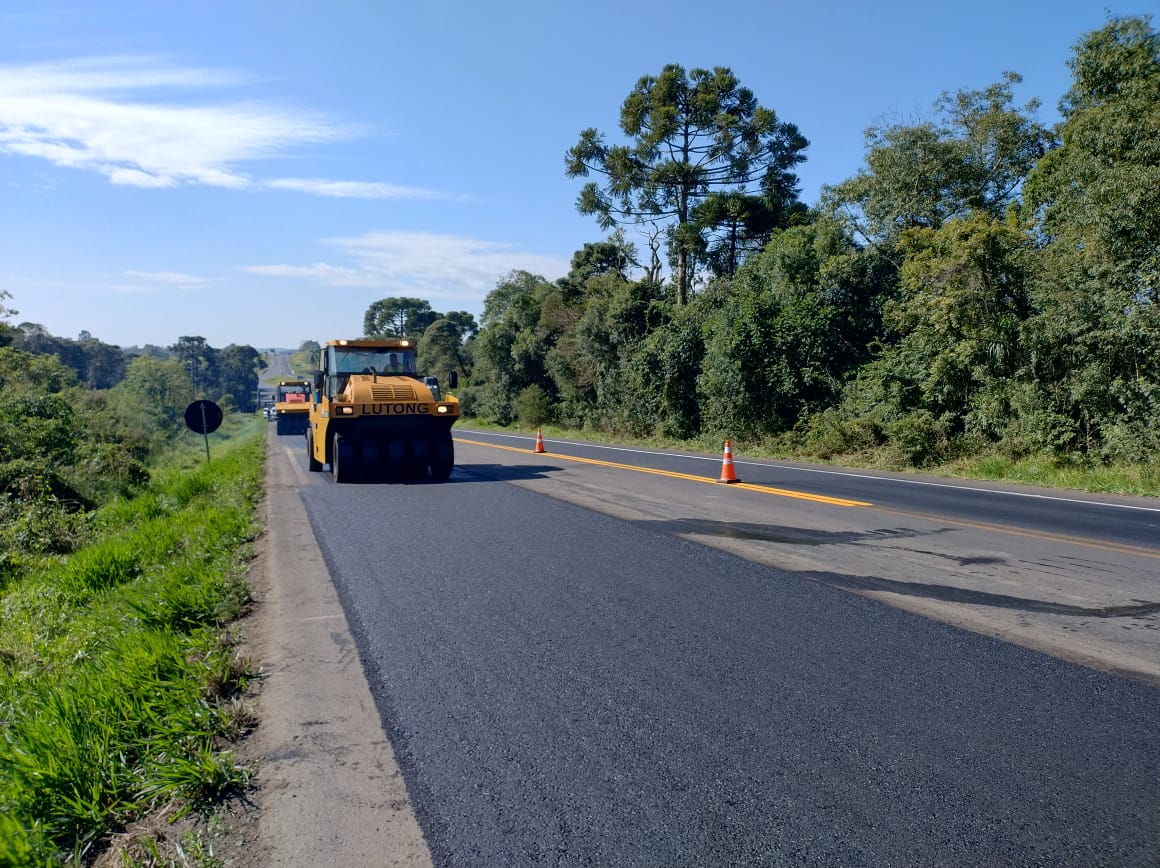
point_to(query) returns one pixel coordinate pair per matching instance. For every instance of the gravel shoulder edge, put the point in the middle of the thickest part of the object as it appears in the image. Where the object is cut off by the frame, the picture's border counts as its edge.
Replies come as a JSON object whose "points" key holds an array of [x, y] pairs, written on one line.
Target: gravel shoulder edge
{"points": [[327, 788]]}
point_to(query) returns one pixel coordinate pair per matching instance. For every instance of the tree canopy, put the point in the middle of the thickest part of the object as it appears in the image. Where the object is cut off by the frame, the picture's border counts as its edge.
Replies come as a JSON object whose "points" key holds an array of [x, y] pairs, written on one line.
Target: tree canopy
{"points": [[973, 154], [694, 136], [398, 317]]}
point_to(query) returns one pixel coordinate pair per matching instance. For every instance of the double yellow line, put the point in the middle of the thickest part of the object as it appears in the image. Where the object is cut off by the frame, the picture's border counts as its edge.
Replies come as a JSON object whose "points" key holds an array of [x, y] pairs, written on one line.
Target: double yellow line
{"points": [[761, 489]]}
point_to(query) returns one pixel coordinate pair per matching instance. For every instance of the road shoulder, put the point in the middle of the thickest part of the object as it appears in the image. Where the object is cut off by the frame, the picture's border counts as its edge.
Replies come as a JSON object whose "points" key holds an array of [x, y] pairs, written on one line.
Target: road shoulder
{"points": [[328, 788]]}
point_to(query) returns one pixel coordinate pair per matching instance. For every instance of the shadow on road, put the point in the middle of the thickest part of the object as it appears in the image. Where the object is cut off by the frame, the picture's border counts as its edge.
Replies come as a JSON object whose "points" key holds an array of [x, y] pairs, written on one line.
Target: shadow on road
{"points": [[800, 536], [950, 594], [463, 473], [501, 472], [862, 584]]}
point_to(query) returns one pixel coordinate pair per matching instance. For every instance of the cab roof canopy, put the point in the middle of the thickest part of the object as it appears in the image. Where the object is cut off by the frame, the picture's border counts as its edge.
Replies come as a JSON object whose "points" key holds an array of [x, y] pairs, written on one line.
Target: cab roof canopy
{"points": [[372, 343]]}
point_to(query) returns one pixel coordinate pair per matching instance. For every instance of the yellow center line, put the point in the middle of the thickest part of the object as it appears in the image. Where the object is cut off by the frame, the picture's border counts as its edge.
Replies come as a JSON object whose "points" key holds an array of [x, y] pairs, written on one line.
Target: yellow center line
{"points": [[760, 489], [1047, 536]]}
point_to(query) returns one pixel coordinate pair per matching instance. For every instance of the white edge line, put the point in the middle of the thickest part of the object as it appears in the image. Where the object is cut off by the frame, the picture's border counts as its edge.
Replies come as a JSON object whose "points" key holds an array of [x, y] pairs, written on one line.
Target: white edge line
{"points": [[837, 473]]}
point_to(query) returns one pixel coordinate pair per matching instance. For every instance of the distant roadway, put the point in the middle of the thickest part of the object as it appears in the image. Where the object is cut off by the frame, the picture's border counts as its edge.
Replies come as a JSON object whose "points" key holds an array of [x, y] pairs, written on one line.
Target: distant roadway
{"points": [[600, 656]]}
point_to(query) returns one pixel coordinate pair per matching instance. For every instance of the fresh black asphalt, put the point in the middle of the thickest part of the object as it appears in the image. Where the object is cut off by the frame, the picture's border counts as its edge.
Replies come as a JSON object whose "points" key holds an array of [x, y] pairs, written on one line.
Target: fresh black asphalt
{"points": [[565, 688]]}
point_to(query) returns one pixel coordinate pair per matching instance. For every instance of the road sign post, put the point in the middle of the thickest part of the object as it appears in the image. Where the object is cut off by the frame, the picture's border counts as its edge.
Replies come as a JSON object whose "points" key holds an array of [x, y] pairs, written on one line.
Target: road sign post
{"points": [[204, 417]]}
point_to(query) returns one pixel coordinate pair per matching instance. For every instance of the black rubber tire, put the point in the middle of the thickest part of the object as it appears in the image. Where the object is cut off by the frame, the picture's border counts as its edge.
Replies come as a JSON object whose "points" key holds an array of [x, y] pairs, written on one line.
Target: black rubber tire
{"points": [[311, 462], [342, 460], [442, 458]]}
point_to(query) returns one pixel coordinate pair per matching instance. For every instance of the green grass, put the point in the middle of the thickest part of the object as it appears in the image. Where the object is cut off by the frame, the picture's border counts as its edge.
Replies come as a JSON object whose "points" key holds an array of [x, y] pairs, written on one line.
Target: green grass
{"points": [[119, 682], [1064, 472]]}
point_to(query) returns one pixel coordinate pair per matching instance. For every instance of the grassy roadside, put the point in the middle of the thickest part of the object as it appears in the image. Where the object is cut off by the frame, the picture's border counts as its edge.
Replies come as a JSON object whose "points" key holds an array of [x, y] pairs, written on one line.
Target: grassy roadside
{"points": [[119, 681], [1064, 472]]}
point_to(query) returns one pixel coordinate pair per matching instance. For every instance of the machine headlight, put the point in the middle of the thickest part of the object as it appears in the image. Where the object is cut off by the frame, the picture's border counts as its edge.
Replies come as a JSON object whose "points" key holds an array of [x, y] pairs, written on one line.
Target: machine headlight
{"points": [[442, 408], [346, 411]]}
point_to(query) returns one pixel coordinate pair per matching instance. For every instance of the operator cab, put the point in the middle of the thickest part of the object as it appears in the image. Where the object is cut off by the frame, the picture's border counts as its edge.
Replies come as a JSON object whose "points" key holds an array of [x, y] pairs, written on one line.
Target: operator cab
{"points": [[366, 360], [341, 362], [343, 359]]}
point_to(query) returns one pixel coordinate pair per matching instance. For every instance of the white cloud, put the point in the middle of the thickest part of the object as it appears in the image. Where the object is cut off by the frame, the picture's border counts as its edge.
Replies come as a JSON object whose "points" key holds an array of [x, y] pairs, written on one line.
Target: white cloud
{"points": [[173, 278], [352, 189], [112, 74], [419, 264], [131, 119], [320, 272], [137, 178]]}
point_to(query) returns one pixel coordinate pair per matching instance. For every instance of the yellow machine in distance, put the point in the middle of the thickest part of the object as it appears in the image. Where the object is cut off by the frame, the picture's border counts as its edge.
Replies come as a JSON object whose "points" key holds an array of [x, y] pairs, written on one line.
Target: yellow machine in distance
{"points": [[292, 406], [371, 415]]}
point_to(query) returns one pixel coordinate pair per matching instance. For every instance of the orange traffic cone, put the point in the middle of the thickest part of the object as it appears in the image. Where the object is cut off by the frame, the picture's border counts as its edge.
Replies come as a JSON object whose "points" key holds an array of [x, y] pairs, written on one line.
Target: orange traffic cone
{"points": [[540, 442], [727, 472]]}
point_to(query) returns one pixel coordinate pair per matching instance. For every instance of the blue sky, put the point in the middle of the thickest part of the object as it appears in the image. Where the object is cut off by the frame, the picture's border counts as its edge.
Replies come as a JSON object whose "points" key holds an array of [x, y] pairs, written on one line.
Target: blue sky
{"points": [[260, 172]]}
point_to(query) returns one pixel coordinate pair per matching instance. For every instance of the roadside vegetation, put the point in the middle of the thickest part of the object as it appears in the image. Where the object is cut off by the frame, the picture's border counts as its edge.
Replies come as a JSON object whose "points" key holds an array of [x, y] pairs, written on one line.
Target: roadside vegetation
{"points": [[122, 558], [982, 297], [119, 679]]}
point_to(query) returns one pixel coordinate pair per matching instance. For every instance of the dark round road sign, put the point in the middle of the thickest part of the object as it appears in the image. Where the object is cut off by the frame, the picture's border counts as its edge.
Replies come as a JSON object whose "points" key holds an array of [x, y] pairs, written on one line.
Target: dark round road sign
{"points": [[204, 417]]}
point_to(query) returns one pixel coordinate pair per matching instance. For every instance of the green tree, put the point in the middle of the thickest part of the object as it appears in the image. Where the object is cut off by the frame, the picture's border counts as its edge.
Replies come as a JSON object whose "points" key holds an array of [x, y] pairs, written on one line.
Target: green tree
{"points": [[238, 371], [7, 331], [1097, 293], [533, 406], [37, 420], [595, 337], [42, 438], [200, 360], [104, 365], [952, 369], [590, 319], [962, 309], [442, 349], [63, 449], [735, 225], [512, 299], [655, 387], [692, 134], [510, 352], [398, 317], [155, 393], [1099, 192], [464, 323], [613, 256], [97, 365], [786, 331], [973, 154]]}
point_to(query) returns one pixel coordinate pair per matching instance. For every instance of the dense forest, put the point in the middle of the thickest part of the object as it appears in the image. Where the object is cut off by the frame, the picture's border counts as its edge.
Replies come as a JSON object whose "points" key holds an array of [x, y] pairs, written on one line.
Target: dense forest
{"points": [[984, 284]]}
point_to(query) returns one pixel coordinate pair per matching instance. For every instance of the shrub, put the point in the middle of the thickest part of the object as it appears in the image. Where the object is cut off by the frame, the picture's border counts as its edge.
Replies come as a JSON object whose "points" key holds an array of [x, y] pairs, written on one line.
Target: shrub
{"points": [[830, 433], [919, 437], [533, 406], [38, 527]]}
